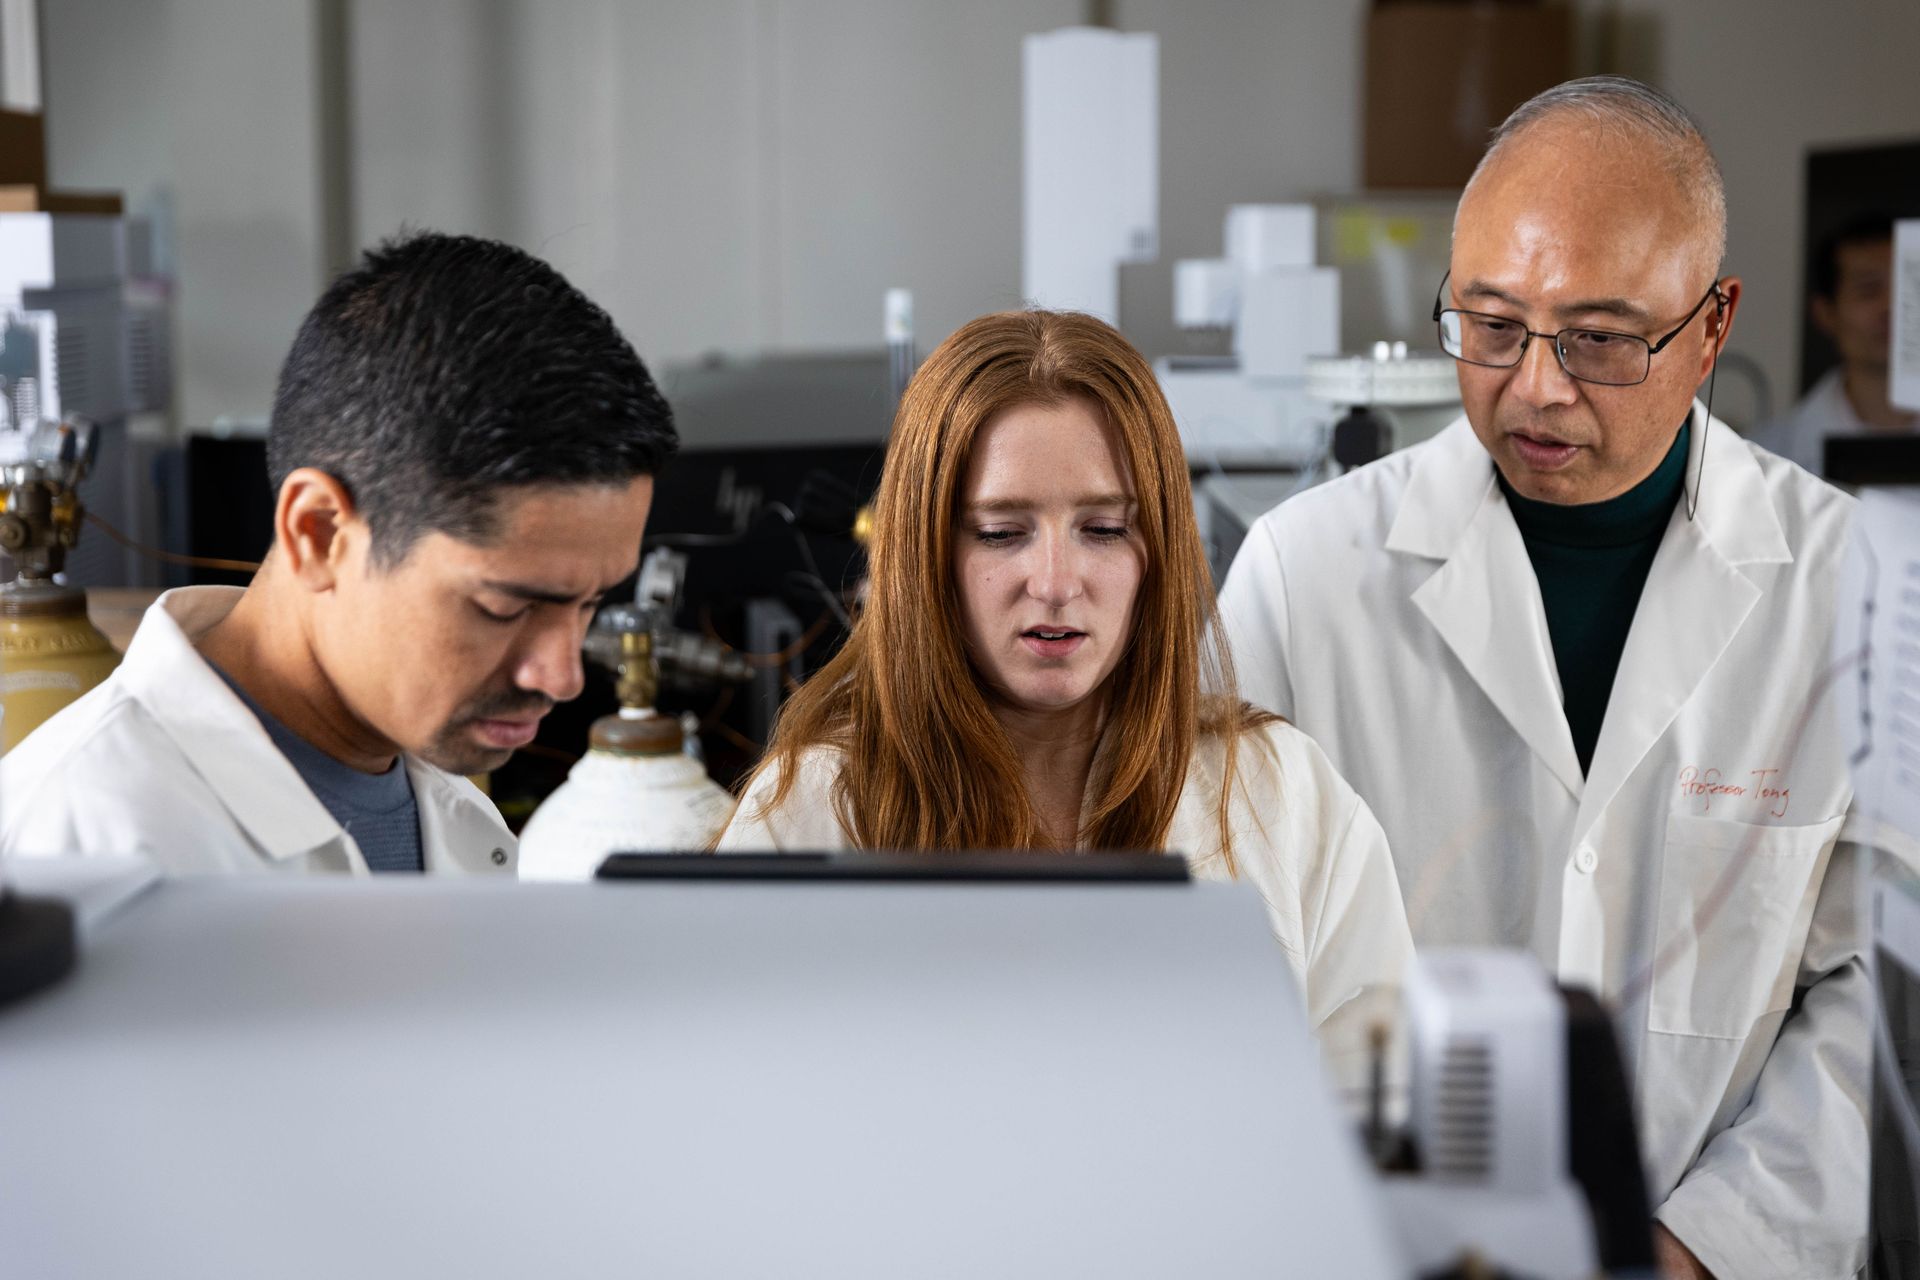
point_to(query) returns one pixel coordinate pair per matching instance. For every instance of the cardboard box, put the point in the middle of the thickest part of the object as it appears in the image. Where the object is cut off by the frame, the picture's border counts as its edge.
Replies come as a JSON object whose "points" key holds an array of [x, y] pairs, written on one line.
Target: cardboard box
{"points": [[1441, 74], [25, 199], [23, 149]]}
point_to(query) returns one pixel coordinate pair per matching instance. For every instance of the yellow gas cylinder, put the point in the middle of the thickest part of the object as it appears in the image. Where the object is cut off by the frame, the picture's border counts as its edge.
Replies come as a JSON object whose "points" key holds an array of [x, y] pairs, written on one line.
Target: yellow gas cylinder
{"points": [[50, 654]]}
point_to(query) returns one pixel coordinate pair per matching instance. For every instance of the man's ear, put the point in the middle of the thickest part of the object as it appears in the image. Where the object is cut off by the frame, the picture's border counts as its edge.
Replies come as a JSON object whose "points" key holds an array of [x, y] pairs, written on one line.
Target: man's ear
{"points": [[314, 526], [1826, 316], [1719, 321]]}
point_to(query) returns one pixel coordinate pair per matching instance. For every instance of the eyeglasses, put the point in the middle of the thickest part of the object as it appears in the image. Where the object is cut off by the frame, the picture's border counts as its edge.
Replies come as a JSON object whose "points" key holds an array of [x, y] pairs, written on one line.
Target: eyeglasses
{"points": [[1591, 355]]}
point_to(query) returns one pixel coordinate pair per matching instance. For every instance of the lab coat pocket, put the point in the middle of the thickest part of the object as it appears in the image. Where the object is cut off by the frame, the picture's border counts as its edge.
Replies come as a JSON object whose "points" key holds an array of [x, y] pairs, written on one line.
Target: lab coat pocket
{"points": [[1732, 922]]}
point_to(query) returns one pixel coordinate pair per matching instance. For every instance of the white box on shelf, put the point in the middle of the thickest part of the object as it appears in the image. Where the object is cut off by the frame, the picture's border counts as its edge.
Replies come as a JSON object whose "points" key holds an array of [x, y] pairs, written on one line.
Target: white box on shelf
{"points": [[1286, 315], [1090, 195], [1229, 420], [1206, 293], [1260, 237]]}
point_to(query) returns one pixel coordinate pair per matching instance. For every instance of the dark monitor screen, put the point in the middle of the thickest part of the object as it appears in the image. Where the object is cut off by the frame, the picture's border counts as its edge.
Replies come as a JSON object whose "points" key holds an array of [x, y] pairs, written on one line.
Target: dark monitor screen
{"points": [[1021, 866], [717, 504], [229, 503], [1871, 460]]}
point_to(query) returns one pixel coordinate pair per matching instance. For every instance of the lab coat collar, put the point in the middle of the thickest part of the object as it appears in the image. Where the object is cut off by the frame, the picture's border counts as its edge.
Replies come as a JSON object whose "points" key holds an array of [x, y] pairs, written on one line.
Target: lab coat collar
{"points": [[1448, 490], [225, 743], [1695, 601], [1735, 513], [219, 736], [1485, 600], [460, 830]]}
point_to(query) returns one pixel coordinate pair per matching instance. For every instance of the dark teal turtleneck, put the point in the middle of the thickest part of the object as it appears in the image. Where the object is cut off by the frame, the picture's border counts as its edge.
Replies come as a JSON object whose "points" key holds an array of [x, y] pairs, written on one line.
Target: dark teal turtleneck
{"points": [[1592, 561]]}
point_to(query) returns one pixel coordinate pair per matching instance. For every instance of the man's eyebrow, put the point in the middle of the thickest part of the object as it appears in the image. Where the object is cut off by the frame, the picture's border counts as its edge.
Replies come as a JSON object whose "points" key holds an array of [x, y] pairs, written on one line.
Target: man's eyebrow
{"points": [[1625, 310], [1480, 289], [543, 595], [1619, 307], [1025, 504]]}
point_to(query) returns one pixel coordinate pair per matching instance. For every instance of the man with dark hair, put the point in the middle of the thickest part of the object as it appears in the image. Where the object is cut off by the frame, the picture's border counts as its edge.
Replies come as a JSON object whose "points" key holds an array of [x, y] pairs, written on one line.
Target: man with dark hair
{"points": [[1852, 303], [463, 449]]}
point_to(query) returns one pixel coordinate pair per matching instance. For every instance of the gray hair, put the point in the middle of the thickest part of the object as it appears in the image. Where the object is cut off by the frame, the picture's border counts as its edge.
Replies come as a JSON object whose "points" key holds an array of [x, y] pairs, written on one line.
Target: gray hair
{"points": [[1632, 111]]}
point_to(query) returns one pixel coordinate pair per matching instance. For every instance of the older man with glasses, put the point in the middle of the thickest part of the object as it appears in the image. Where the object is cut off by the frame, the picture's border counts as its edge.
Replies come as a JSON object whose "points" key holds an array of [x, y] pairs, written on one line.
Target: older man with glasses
{"points": [[1573, 653]]}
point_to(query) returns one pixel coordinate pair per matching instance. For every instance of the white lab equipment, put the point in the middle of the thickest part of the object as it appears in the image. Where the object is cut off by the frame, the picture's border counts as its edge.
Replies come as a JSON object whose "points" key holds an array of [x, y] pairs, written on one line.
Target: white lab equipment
{"points": [[84, 325], [1267, 237], [897, 329], [1090, 192], [1487, 1034], [1392, 398], [678, 1080], [619, 799], [1287, 315], [1252, 409], [636, 789], [1206, 293]]}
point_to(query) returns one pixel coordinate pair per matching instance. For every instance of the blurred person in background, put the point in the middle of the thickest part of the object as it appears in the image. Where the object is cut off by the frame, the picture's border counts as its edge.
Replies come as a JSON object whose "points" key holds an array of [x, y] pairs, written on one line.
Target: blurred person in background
{"points": [[1852, 304]]}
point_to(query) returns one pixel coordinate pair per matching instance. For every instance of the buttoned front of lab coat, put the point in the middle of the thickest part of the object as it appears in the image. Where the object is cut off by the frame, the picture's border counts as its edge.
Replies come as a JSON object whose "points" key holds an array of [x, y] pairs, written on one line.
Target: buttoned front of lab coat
{"points": [[165, 761], [1693, 878]]}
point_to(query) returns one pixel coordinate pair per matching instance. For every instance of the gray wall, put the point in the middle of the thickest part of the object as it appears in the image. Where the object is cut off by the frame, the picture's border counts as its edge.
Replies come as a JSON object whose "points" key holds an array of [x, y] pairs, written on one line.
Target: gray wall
{"points": [[735, 175], [742, 175], [202, 111]]}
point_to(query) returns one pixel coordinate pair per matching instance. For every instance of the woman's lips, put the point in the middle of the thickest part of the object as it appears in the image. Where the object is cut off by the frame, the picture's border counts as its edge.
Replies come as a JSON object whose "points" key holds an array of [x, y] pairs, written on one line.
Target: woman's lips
{"points": [[1052, 644]]}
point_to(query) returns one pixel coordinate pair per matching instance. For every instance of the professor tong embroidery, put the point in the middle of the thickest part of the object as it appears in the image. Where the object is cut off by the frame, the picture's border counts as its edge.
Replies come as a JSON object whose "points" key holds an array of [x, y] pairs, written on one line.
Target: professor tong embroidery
{"points": [[1765, 788]]}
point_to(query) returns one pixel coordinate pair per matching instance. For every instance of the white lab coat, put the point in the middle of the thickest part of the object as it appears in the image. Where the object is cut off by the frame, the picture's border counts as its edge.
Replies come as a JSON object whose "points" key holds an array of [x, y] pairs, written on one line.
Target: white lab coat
{"points": [[1394, 615], [1302, 838], [1801, 434], [165, 761]]}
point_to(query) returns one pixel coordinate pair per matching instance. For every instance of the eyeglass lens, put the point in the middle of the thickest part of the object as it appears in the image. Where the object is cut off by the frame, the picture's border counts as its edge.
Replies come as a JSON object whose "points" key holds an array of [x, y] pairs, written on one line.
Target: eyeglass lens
{"points": [[1592, 355]]}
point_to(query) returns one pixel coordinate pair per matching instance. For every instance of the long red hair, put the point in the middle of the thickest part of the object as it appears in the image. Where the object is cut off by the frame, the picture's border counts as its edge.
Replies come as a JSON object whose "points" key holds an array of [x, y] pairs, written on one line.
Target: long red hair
{"points": [[926, 763]]}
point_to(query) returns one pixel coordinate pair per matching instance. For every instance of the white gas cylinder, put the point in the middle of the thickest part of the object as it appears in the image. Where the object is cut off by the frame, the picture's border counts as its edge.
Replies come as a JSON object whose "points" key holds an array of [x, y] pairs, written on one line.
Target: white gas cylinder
{"points": [[624, 800]]}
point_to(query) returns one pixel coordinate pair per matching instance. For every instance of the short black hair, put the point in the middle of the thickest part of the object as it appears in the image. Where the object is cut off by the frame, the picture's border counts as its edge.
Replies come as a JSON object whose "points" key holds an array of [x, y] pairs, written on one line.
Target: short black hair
{"points": [[444, 369], [1871, 228]]}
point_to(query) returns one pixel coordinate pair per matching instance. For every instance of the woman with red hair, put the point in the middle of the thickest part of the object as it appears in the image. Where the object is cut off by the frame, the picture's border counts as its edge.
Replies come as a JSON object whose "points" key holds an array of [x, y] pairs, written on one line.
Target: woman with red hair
{"points": [[1036, 667]]}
